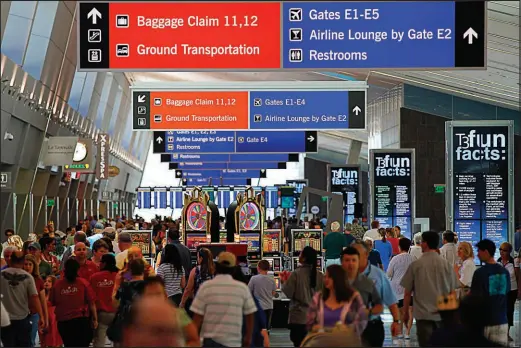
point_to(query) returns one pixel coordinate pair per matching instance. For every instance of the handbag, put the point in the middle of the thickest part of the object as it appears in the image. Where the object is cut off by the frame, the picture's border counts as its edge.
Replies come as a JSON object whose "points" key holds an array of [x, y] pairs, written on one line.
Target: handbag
{"points": [[340, 335]]}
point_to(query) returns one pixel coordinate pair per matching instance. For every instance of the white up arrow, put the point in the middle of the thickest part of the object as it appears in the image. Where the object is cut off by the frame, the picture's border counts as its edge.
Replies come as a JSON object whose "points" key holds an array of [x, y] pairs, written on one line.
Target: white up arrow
{"points": [[94, 14], [141, 98], [311, 138], [357, 110], [471, 35], [159, 140]]}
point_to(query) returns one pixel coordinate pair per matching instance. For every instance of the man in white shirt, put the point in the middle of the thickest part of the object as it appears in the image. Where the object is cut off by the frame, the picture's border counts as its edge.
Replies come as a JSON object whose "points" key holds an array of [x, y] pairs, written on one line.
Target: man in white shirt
{"points": [[220, 306], [373, 232], [449, 250], [124, 243]]}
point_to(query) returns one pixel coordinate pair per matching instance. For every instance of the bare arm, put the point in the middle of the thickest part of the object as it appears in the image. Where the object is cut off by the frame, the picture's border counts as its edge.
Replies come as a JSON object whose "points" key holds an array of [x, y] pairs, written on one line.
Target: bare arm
{"points": [[115, 301], [249, 320], [198, 321], [192, 335], [43, 302], [35, 305], [189, 288]]}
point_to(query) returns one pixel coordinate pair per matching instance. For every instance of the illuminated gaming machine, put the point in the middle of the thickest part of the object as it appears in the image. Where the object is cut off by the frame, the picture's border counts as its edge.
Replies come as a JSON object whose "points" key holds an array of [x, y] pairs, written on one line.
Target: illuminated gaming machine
{"points": [[271, 248], [302, 238], [246, 218], [199, 216]]}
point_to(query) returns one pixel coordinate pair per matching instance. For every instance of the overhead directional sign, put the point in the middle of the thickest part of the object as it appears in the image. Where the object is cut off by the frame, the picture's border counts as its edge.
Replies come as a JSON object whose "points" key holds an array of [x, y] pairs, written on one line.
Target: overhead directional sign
{"points": [[223, 165], [224, 173], [163, 36], [287, 106], [209, 158], [218, 181], [227, 142]]}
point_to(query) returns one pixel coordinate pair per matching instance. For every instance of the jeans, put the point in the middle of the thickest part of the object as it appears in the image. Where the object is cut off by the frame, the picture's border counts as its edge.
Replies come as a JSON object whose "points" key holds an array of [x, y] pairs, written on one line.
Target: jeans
{"points": [[34, 318], [18, 334], [374, 333], [100, 334]]}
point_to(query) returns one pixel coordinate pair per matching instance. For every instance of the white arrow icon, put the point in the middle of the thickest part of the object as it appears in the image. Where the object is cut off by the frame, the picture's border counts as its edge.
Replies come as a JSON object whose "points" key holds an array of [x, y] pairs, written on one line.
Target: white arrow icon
{"points": [[159, 140], [357, 110], [141, 98], [471, 35], [94, 14], [263, 170], [311, 138]]}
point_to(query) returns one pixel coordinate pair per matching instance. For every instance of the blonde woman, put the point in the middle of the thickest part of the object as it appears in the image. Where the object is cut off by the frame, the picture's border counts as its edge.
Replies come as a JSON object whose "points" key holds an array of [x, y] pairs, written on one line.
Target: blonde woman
{"points": [[465, 269], [15, 241], [135, 252]]}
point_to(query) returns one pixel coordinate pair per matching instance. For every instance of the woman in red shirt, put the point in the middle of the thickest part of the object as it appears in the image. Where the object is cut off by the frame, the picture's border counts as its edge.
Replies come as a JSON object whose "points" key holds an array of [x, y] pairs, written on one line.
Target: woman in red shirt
{"points": [[31, 267], [103, 284], [75, 307], [391, 237]]}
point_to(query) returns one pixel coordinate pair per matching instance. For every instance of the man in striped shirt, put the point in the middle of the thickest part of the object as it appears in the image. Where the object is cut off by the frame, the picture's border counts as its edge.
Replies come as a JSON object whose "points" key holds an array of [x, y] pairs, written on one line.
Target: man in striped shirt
{"points": [[220, 305]]}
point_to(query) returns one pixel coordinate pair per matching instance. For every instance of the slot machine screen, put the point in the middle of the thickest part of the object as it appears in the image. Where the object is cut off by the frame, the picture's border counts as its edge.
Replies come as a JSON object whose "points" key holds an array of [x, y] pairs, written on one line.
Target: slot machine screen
{"points": [[320, 263], [194, 239], [252, 239], [223, 236], [277, 282], [271, 241], [270, 261], [302, 239], [276, 267]]}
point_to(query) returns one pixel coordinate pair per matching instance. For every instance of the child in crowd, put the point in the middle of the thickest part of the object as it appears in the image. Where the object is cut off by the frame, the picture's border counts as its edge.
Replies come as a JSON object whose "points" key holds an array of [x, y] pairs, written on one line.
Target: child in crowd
{"points": [[50, 337], [263, 288]]}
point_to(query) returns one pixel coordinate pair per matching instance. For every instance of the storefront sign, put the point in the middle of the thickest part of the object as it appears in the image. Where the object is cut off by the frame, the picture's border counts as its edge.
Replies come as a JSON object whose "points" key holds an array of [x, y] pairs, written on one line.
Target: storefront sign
{"points": [[60, 151], [102, 168], [82, 159], [113, 171]]}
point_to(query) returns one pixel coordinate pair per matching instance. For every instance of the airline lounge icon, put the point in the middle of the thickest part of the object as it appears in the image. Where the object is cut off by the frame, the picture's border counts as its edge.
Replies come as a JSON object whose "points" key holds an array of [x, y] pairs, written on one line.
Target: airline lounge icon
{"points": [[295, 34], [122, 21], [257, 118]]}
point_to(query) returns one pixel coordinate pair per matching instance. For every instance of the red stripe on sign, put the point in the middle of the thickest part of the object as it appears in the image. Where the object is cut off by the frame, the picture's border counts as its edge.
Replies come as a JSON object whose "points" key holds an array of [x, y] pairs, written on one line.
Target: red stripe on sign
{"points": [[161, 36]]}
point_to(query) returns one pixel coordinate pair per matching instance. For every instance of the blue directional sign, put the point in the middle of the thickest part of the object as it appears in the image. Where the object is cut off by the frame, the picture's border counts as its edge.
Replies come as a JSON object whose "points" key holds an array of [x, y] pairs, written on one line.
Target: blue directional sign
{"points": [[217, 142], [219, 158], [216, 181], [224, 173], [386, 34], [189, 166], [307, 110]]}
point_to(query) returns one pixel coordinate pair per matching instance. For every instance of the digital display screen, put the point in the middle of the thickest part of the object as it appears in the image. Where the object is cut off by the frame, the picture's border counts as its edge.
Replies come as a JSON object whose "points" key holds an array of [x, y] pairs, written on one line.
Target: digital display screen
{"points": [[253, 241], [275, 263], [194, 239], [277, 282], [271, 241], [480, 183], [287, 202], [304, 238], [223, 236], [345, 180], [392, 184]]}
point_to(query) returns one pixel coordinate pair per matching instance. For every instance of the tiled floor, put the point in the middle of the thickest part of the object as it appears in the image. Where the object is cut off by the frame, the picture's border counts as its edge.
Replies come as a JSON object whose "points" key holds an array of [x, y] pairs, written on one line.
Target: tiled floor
{"points": [[280, 337]]}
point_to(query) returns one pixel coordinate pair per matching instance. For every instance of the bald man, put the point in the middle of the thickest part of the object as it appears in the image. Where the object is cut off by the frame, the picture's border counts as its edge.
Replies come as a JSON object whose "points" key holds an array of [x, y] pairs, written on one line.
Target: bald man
{"points": [[79, 237], [87, 267], [148, 317]]}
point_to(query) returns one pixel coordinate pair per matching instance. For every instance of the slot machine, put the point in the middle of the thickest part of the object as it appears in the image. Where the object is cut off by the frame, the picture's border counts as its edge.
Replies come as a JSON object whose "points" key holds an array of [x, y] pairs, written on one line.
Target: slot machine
{"points": [[247, 219], [197, 217], [271, 248], [302, 238]]}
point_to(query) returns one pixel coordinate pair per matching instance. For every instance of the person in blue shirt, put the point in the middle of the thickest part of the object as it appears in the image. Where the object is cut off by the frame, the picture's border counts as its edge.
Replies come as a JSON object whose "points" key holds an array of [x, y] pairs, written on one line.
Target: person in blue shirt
{"points": [[374, 334], [385, 248], [517, 238], [374, 255], [492, 281]]}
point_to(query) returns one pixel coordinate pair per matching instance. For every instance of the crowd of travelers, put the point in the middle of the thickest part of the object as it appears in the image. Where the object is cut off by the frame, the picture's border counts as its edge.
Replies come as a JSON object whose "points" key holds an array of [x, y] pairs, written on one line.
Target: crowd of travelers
{"points": [[91, 285]]}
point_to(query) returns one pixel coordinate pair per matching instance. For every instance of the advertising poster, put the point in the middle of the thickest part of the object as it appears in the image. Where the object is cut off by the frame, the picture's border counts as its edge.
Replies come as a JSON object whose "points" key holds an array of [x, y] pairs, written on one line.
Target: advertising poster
{"points": [[346, 181], [479, 179], [392, 188]]}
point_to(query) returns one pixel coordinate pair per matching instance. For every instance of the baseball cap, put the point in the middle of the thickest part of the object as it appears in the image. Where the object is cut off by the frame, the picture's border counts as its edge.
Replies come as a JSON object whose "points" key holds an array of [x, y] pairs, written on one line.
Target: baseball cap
{"points": [[124, 237], [226, 259], [34, 245]]}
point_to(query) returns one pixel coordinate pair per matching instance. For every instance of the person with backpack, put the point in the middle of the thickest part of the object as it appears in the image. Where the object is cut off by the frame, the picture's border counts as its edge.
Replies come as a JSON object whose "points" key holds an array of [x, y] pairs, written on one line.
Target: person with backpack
{"points": [[338, 308], [205, 270]]}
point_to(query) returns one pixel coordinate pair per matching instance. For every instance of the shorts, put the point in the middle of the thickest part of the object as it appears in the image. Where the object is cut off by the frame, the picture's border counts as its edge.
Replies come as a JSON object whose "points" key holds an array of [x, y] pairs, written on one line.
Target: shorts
{"points": [[400, 303]]}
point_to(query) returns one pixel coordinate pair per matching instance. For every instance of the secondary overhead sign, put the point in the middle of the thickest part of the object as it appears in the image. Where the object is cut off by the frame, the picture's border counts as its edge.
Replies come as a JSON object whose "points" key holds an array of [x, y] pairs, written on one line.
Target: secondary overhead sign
{"points": [[162, 36], [224, 165], [209, 158], [288, 106], [201, 142], [225, 173]]}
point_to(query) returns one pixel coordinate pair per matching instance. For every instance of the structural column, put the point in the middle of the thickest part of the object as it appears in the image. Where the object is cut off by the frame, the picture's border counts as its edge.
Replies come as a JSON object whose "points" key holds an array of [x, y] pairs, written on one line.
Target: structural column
{"points": [[354, 152]]}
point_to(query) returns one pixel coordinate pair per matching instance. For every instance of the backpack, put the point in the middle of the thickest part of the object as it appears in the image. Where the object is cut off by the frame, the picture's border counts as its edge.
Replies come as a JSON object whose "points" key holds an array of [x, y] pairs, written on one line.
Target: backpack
{"points": [[199, 279], [341, 335]]}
